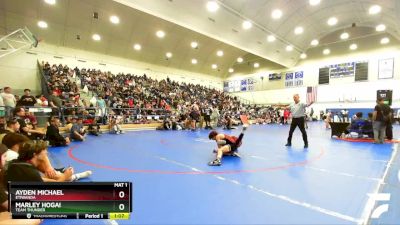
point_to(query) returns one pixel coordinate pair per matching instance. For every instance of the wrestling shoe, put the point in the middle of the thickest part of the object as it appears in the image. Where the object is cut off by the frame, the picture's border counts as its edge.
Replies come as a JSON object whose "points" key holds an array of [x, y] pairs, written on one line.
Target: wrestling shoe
{"points": [[78, 176], [235, 154], [216, 162], [288, 144], [245, 126]]}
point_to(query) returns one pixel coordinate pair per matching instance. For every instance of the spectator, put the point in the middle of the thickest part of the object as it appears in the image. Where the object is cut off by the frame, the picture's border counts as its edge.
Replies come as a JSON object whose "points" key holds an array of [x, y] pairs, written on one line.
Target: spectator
{"points": [[368, 128], [27, 99], [115, 127], [26, 126], [356, 125], [53, 134], [94, 128], [12, 127], [77, 131], [381, 118], [25, 167], [8, 98], [12, 141]]}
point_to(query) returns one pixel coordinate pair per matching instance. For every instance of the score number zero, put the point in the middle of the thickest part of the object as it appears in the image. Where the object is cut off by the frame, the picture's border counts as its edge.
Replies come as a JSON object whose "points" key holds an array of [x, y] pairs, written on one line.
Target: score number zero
{"points": [[121, 194]]}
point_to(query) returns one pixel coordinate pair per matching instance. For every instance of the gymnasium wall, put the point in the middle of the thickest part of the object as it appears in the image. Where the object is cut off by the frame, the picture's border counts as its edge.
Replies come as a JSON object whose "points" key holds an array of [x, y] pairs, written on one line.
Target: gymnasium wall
{"points": [[340, 93], [19, 70]]}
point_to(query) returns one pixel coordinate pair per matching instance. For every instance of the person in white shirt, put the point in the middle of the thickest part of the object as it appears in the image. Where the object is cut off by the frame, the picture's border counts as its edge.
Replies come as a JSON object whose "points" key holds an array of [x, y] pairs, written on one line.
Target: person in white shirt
{"points": [[298, 111], [8, 98], [1, 101]]}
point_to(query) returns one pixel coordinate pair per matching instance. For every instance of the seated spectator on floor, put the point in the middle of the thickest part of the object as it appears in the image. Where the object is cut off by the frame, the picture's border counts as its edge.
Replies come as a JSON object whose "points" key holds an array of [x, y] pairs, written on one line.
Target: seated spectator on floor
{"points": [[77, 131], [26, 127], [16, 141], [167, 124], [53, 134], [12, 141], [94, 128], [5, 216], [25, 167], [368, 129], [356, 125], [115, 127]]}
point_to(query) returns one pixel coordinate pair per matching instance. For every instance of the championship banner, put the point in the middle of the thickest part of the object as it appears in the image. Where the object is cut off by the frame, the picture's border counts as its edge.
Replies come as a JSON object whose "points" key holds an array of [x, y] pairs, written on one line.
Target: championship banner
{"points": [[342, 70], [298, 78], [289, 79], [243, 85], [275, 76]]}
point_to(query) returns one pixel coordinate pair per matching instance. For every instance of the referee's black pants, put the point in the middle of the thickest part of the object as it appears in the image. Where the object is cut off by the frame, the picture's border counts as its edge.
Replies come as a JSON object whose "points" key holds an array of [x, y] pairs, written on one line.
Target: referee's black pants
{"points": [[300, 123]]}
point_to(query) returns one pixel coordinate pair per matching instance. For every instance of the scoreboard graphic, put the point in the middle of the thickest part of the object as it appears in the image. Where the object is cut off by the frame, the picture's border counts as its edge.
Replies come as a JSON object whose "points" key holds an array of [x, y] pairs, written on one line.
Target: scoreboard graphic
{"points": [[59, 200]]}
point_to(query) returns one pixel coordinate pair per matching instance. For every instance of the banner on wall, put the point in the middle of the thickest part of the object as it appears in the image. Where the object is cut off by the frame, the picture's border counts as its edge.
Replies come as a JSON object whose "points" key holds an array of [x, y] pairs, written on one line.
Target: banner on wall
{"points": [[239, 85], [275, 76], [289, 79], [294, 79], [385, 68], [342, 70], [298, 79]]}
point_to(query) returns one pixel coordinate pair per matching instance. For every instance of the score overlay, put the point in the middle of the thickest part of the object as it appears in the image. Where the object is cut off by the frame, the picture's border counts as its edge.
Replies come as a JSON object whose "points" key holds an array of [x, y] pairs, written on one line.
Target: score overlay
{"points": [[69, 200]]}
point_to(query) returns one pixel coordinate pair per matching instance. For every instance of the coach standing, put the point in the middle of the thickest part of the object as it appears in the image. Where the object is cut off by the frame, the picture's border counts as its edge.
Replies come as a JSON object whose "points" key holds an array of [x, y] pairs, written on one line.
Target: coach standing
{"points": [[298, 111]]}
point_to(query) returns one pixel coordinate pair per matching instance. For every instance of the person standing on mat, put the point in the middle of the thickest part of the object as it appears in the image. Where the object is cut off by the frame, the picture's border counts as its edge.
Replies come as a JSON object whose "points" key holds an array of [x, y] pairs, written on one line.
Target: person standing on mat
{"points": [[298, 111]]}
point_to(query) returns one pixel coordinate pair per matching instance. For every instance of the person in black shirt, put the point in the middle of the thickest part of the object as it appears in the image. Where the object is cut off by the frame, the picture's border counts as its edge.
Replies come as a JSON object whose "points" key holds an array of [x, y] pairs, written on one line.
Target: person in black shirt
{"points": [[207, 116], [53, 134], [25, 167], [26, 127], [27, 99], [381, 118], [94, 128]]}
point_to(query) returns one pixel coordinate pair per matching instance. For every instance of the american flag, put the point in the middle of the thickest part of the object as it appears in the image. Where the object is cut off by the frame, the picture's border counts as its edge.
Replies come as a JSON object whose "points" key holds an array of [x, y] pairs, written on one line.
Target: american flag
{"points": [[311, 94]]}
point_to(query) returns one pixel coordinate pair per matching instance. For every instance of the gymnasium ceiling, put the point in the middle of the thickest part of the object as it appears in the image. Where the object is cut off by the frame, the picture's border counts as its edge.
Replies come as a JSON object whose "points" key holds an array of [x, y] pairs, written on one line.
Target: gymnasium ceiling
{"points": [[184, 21]]}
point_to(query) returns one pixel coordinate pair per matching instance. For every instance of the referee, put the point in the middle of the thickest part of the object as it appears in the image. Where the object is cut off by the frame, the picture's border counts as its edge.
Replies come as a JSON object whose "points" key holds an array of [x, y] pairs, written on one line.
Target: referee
{"points": [[298, 111]]}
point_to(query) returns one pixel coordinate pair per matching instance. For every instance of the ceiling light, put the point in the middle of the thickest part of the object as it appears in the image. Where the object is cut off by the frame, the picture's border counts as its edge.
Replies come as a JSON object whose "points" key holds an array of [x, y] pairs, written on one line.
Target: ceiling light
{"points": [[332, 21], [160, 34], [289, 48], [114, 19], [96, 37], [194, 61], [276, 14], [326, 51], [212, 6], [247, 25], [380, 27], [298, 30], [168, 55], [194, 44], [220, 53], [50, 2], [137, 47], [314, 2], [303, 55], [385, 40], [374, 9], [344, 36], [239, 60], [256, 65], [314, 42], [214, 66], [42, 24], [271, 38], [353, 47], [231, 70]]}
